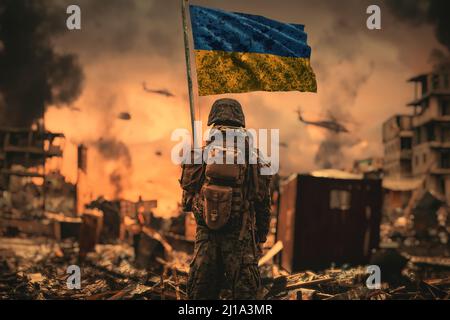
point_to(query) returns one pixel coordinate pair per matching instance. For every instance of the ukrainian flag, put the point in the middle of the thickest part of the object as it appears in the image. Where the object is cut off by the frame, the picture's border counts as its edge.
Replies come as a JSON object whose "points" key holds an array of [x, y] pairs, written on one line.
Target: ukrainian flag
{"points": [[237, 52]]}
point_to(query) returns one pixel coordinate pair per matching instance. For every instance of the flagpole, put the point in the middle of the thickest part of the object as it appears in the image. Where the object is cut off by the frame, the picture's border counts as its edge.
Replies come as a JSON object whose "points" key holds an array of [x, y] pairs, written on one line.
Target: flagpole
{"points": [[187, 53]]}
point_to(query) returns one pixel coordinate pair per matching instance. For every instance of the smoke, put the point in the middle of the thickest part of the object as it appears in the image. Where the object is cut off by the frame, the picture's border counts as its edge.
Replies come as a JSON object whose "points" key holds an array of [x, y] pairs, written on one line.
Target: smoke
{"points": [[331, 151], [329, 155], [110, 149], [33, 76], [440, 60], [434, 12], [413, 11], [123, 27], [342, 89], [438, 14], [115, 178], [125, 42]]}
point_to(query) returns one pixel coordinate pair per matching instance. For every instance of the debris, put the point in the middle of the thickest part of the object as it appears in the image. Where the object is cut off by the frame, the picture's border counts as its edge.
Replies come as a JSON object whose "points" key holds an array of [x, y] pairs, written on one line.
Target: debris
{"points": [[60, 195], [308, 283], [35, 277], [390, 261], [148, 250], [90, 231], [111, 218], [36, 269], [432, 261], [424, 213], [307, 294], [271, 253]]}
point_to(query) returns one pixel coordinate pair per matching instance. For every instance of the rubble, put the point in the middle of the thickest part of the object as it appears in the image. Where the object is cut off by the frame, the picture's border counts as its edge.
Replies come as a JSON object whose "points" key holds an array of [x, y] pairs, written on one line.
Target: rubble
{"points": [[350, 284], [37, 269], [125, 252], [22, 200], [60, 195], [139, 256]]}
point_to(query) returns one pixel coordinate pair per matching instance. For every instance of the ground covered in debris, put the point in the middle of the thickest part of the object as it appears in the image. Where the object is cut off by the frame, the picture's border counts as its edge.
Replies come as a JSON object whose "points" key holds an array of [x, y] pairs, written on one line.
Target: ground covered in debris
{"points": [[36, 268]]}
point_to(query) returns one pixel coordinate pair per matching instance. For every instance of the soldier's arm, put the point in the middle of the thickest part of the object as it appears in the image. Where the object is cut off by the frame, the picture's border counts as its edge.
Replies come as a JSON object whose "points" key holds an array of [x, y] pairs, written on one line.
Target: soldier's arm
{"points": [[262, 215], [191, 181], [262, 205], [187, 201]]}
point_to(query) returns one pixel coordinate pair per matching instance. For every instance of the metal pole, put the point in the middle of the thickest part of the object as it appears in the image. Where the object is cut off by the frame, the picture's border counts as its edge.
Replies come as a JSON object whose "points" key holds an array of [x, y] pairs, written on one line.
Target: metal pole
{"points": [[44, 193], [187, 53]]}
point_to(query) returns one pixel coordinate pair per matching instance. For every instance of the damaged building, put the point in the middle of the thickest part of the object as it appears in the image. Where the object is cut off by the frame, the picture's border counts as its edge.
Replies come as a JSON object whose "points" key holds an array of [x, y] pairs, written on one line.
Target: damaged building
{"points": [[35, 202], [418, 145], [431, 126], [23, 152], [417, 154], [397, 140]]}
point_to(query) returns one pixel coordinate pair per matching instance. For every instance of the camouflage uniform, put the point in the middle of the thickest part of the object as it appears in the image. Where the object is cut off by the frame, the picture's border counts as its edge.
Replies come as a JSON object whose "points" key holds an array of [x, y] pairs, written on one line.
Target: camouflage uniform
{"points": [[228, 257]]}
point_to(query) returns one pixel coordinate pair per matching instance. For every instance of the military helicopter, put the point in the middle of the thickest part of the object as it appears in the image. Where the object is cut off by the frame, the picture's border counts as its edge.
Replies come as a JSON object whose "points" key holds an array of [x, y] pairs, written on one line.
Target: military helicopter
{"points": [[163, 92], [332, 124]]}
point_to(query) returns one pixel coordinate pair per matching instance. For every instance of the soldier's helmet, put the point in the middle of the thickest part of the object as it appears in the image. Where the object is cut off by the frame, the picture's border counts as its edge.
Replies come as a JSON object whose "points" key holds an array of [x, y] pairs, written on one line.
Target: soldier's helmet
{"points": [[226, 112]]}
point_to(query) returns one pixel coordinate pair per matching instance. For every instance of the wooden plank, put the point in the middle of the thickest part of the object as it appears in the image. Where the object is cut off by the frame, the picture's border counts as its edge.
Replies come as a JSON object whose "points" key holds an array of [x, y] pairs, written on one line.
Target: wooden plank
{"points": [[308, 283], [271, 253]]}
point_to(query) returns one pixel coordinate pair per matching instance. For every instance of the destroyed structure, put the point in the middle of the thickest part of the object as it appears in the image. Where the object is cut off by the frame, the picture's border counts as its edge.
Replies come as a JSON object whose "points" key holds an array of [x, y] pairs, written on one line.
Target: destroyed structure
{"points": [[397, 140], [418, 145], [23, 152], [417, 158], [326, 225], [431, 125]]}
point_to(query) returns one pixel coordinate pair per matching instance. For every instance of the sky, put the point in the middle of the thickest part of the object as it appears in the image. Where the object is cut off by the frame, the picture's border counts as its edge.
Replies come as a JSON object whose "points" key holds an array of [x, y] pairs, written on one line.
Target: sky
{"points": [[361, 77]]}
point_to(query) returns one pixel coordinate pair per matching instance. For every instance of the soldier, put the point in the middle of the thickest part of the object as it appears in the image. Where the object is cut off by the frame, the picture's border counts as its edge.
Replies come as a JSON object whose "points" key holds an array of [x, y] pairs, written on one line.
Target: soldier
{"points": [[231, 205]]}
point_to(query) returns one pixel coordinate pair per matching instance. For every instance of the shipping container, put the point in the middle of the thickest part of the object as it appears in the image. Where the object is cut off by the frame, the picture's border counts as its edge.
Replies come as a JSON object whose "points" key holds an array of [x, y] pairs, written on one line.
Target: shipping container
{"points": [[326, 220]]}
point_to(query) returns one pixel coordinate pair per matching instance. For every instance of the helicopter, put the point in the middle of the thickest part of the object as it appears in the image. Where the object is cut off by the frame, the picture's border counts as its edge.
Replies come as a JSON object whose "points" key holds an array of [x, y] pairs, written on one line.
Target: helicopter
{"points": [[163, 92], [332, 124]]}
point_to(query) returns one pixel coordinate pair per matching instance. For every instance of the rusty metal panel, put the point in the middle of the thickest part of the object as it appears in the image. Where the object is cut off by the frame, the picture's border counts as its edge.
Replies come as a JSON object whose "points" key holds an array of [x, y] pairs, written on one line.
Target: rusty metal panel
{"points": [[325, 220], [286, 221]]}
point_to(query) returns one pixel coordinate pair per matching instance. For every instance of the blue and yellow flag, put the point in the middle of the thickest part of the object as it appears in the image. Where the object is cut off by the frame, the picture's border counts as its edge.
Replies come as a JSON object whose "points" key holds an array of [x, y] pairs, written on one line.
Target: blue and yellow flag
{"points": [[238, 52]]}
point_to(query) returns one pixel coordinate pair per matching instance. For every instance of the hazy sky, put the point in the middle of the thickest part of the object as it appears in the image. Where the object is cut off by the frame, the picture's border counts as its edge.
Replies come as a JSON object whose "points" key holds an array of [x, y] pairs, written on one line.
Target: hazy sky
{"points": [[361, 78]]}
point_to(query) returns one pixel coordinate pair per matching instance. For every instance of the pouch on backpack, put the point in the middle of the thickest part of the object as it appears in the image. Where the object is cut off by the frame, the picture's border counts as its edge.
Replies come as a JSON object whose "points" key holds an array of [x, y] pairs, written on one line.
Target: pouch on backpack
{"points": [[227, 172], [217, 205]]}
